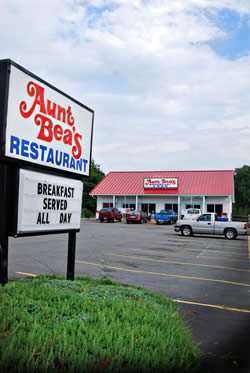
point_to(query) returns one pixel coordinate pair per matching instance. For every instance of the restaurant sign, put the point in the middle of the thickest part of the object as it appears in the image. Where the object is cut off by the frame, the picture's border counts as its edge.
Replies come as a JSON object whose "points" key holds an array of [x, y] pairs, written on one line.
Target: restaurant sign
{"points": [[161, 183], [46, 127]]}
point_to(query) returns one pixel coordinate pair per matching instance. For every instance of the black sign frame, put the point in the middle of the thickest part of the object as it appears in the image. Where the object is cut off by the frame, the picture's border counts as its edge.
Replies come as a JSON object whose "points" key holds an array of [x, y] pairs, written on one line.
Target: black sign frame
{"points": [[9, 177]]}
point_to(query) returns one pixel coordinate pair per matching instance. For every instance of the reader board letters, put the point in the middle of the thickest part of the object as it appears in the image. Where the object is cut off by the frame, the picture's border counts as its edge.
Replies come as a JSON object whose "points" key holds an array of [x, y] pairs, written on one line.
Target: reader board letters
{"points": [[161, 183], [48, 203], [46, 127]]}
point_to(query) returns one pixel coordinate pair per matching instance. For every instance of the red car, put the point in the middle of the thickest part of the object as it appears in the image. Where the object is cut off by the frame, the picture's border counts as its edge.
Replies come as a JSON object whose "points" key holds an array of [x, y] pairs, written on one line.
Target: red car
{"points": [[137, 217], [110, 214]]}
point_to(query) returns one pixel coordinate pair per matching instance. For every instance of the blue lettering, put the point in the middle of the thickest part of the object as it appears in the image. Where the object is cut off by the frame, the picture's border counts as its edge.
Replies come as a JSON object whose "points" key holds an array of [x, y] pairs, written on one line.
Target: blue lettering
{"points": [[50, 157], [43, 149], [79, 164], [72, 163], [34, 150], [65, 159], [14, 144], [85, 161], [58, 161], [25, 148]]}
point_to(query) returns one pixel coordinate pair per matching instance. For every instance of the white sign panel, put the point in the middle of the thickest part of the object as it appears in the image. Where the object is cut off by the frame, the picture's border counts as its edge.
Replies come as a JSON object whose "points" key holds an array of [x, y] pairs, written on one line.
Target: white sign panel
{"points": [[161, 183], [48, 203], [45, 127]]}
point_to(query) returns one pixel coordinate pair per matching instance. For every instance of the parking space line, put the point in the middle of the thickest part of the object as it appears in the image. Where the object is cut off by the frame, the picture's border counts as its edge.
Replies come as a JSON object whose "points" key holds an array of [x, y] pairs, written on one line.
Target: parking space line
{"points": [[27, 274], [195, 243], [189, 255], [211, 305], [164, 274], [204, 249], [182, 263]]}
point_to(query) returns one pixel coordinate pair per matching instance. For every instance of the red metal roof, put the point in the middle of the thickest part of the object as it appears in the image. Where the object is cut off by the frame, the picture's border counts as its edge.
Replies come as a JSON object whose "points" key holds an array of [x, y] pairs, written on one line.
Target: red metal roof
{"points": [[189, 183]]}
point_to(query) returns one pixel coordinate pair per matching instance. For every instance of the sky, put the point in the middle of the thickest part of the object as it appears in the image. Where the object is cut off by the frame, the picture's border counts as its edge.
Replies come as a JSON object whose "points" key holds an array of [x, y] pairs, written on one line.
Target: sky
{"points": [[168, 80]]}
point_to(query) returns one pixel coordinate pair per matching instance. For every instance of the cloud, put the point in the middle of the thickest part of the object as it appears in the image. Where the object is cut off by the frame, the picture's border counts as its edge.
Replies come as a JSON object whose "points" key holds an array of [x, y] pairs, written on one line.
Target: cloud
{"points": [[162, 96]]}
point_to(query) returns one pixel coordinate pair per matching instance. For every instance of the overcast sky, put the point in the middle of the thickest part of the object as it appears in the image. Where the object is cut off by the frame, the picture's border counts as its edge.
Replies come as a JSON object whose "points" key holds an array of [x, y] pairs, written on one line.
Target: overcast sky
{"points": [[169, 80]]}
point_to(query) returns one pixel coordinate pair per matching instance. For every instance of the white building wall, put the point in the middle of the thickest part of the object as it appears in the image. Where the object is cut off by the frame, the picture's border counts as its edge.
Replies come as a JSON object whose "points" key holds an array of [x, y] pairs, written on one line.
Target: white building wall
{"points": [[101, 200], [225, 201]]}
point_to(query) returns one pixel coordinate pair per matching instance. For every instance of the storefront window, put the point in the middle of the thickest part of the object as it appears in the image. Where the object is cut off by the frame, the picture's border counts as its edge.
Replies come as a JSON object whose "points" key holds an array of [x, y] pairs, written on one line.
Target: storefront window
{"points": [[218, 208], [172, 206], [130, 206], [148, 208], [193, 206], [107, 204]]}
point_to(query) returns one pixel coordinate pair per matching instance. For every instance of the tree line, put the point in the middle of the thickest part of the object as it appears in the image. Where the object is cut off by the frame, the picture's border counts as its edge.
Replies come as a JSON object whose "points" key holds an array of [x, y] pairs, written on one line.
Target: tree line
{"points": [[242, 191]]}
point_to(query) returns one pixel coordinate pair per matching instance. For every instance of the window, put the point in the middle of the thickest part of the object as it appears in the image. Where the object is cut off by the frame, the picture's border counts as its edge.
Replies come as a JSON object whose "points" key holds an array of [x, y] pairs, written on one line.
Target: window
{"points": [[210, 208], [148, 208], [107, 204], [130, 206], [194, 206], [218, 208], [205, 217], [168, 206], [172, 206]]}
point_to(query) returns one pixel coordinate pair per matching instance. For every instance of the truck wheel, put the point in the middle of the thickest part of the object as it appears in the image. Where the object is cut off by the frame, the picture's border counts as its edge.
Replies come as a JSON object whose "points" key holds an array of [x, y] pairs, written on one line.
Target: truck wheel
{"points": [[186, 231], [101, 220], [230, 234], [157, 222]]}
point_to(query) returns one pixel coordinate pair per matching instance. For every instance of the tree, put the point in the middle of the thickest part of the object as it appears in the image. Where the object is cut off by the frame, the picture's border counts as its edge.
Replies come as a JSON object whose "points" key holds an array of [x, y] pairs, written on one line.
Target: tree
{"points": [[96, 175], [242, 187]]}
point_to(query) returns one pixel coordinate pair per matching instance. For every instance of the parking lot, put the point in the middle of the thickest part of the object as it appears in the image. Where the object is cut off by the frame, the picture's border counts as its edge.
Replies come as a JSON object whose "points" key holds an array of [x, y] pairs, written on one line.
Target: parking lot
{"points": [[207, 276]]}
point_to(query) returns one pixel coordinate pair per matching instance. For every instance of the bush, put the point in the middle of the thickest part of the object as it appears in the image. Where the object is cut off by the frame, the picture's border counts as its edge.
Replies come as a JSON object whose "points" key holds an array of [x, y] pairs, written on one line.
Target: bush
{"points": [[86, 213]]}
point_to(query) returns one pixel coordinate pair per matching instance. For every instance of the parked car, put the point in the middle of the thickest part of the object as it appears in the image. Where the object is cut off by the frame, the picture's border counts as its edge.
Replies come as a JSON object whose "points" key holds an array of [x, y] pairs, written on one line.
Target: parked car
{"points": [[191, 213], [110, 214], [166, 217], [137, 217], [209, 224]]}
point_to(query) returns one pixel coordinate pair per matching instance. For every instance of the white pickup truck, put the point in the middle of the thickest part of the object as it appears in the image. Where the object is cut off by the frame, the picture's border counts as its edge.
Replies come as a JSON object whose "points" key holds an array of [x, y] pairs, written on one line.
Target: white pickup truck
{"points": [[208, 224]]}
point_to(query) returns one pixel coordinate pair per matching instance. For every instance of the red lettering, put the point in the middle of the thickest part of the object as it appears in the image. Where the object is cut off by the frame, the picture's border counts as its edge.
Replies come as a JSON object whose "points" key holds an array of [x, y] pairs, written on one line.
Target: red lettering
{"points": [[58, 132], [61, 112], [67, 138], [77, 149], [33, 89], [46, 133], [70, 118], [51, 112]]}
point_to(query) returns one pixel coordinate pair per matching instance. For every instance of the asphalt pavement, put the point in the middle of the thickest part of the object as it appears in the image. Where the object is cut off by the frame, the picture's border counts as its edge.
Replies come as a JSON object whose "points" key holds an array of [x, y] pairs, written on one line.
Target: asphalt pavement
{"points": [[207, 276]]}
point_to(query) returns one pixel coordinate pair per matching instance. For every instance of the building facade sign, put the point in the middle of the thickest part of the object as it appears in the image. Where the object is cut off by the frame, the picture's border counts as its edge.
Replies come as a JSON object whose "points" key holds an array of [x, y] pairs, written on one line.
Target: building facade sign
{"points": [[46, 127], [48, 203], [161, 183]]}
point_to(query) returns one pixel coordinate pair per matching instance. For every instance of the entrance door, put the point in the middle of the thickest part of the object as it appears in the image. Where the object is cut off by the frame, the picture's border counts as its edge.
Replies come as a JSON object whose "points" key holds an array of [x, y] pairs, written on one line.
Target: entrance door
{"points": [[148, 208]]}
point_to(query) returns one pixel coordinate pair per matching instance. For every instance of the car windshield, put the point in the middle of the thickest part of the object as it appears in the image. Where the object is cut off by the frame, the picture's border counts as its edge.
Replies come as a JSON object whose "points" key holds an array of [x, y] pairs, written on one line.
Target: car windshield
{"points": [[106, 210]]}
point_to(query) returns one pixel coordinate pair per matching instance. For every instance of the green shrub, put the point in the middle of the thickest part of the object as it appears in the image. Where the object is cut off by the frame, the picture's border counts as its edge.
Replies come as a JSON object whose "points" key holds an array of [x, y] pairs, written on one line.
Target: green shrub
{"points": [[86, 213]]}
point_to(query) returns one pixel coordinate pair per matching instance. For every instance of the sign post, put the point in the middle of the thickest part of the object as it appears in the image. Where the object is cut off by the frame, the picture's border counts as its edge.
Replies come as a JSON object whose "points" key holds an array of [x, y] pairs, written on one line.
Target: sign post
{"points": [[45, 152], [71, 256]]}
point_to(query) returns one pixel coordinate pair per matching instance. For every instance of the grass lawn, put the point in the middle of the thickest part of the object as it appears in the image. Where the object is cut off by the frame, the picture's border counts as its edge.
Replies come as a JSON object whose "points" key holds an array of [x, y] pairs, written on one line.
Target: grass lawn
{"points": [[49, 324]]}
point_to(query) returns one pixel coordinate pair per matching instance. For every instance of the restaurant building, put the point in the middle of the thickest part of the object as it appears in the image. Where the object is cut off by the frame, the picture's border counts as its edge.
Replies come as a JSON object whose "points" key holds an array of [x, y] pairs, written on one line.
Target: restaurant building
{"points": [[152, 191]]}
